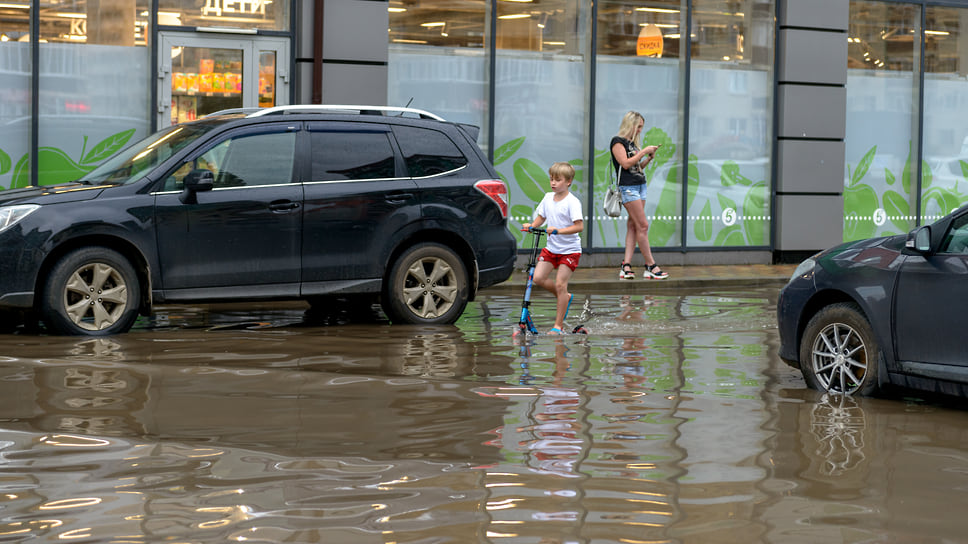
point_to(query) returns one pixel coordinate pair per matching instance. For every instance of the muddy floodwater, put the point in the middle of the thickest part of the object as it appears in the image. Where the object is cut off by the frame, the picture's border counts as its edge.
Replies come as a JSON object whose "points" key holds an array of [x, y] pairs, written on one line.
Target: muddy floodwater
{"points": [[672, 421]]}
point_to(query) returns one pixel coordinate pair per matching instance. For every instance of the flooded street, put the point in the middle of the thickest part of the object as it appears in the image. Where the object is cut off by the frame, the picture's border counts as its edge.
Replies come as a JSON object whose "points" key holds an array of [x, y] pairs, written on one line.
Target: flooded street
{"points": [[673, 421]]}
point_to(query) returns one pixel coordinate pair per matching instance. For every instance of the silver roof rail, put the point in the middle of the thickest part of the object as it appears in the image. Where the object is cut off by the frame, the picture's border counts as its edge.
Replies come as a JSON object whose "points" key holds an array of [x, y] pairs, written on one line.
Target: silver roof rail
{"points": [[345, 108], [228, 111]]}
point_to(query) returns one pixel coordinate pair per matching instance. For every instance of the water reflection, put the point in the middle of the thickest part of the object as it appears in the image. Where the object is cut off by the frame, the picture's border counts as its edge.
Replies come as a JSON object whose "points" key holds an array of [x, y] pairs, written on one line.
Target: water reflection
{"points": [[673, 421]]}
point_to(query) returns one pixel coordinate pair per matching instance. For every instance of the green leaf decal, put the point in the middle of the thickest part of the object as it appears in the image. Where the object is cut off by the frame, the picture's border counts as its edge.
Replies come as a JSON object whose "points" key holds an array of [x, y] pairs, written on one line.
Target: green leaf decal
{"points": [[889, 176], [519, 210], [906, 175], [964, 168], [897, 207], [860, 201], [693, 180], [505, 152], [730, 175], [730, 236], [725, 202], [667, 151], [754, 210], [863, 166], [5, 162], [946, 200], [531, 179], [926, 175], [577, 185], [108, 146], [662, 230], [704, 225], [21, 173]]}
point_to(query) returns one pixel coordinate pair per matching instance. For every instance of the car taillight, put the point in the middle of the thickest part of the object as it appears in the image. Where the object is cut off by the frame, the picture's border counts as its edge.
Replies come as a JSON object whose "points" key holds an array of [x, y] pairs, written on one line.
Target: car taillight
{"points": [[497, 191]]}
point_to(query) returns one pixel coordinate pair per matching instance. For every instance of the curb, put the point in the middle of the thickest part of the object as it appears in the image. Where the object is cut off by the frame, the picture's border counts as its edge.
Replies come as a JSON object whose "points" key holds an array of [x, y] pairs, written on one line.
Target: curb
{"points": [[597, 285]]}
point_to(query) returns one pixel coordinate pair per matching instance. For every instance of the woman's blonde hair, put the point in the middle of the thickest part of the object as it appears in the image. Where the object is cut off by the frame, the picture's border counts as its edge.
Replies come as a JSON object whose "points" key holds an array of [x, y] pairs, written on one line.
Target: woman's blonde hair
{"points": [[562, 170], [629, 122]]}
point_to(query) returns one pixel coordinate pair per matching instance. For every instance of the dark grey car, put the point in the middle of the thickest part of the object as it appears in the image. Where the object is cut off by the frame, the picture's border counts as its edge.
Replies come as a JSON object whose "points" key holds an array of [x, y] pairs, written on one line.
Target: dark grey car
{"points": [[884, 311], [294, 202]]}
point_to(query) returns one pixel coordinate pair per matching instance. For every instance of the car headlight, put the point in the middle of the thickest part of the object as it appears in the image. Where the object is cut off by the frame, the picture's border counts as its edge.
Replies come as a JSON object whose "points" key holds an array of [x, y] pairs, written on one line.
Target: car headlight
{"points": [[806, 267], [11, 215]]}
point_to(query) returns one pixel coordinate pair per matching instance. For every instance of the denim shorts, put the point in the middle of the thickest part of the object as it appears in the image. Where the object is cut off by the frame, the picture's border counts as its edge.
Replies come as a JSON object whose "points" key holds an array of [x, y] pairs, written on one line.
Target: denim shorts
{"points": [[631, 193]]}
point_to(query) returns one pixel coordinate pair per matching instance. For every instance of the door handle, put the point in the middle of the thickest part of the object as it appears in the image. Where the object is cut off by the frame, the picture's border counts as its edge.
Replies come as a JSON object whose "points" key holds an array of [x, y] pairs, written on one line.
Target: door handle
{"points": [[283, 205], [397, 197]]}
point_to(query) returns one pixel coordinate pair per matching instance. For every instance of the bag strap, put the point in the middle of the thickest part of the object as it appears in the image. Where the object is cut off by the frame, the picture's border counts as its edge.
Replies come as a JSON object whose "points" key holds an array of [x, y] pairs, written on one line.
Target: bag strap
{"points": [[618, 169]]}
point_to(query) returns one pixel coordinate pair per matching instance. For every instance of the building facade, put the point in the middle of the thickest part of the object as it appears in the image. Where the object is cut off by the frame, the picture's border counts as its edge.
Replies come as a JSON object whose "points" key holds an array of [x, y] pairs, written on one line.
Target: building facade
{"points": [[786, 125]]}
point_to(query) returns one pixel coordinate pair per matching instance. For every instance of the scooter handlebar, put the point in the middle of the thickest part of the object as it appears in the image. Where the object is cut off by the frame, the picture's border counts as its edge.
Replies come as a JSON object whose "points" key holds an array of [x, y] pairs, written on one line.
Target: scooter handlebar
{"points": [[539, 230]]}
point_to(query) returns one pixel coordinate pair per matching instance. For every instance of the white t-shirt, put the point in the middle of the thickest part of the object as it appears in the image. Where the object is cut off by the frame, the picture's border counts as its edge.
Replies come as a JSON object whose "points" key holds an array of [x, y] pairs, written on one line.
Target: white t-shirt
{"points": [[560, 215]]}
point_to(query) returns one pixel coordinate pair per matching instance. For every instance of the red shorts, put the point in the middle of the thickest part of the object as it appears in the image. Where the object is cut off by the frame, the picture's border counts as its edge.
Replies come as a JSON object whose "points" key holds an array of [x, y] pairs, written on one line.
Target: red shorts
{"points": [[569, 259]]}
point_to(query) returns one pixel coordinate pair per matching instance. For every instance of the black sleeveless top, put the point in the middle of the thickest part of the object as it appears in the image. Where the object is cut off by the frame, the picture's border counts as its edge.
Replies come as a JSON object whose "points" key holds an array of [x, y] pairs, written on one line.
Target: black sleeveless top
{"points": [[626, 176]]}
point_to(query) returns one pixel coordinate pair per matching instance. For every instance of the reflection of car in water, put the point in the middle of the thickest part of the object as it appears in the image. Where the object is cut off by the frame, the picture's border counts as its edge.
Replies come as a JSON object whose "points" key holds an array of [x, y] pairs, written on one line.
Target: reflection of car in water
{"points": [[868, 314]]}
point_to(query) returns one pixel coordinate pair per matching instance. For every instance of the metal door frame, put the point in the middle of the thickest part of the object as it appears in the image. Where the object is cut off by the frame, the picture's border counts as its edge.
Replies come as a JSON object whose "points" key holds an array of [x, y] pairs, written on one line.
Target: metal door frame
{"points": [[250, 45]]}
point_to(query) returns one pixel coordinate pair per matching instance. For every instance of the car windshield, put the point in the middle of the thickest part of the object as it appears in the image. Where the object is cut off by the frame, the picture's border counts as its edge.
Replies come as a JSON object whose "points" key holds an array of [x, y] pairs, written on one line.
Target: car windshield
{"points": [[132, 163]]}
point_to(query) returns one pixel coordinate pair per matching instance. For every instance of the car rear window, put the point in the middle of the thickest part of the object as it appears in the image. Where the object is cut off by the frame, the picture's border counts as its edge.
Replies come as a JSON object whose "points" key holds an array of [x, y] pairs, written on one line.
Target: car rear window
{"points": [[344, 155], [428, 152]]}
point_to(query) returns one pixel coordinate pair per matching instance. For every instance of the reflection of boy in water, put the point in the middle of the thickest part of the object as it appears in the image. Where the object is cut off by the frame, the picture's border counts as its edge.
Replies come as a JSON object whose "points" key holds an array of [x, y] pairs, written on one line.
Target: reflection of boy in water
{"points": [[557, 445]]}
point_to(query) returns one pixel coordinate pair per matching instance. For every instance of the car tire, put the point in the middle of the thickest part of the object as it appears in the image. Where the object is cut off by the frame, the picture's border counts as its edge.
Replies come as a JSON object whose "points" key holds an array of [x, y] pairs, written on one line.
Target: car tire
{"points": [[427, 285], [91, 291], [838, 351]]}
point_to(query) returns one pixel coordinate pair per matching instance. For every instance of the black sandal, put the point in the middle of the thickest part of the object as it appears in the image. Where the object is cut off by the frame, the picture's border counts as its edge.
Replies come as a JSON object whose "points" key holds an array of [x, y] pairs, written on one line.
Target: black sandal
{"points": [[653, 272], [626, 272]]}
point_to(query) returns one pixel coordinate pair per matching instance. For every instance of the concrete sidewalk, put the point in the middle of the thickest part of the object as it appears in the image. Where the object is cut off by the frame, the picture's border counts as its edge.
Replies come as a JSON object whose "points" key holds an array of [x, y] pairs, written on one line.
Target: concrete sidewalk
{"points": [[605, 280]]}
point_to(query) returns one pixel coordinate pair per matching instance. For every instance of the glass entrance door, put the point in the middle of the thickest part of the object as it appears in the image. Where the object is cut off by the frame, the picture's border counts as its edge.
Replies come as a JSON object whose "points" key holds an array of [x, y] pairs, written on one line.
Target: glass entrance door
{"points": [[199, 75]]}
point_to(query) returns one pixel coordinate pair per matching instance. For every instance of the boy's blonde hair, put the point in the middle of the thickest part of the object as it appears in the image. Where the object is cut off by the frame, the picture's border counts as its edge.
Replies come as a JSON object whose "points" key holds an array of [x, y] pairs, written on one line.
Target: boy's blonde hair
{"points": [[629, 122], [562, 170]]}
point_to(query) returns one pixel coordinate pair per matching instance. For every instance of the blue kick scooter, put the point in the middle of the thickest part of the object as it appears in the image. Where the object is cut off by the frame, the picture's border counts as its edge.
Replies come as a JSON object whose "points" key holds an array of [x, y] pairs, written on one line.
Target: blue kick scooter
{"points": [[525, 324]]}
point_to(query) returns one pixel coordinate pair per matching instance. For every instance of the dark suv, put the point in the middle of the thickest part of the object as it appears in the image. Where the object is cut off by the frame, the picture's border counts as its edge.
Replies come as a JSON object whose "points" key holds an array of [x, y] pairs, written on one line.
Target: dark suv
{"points": [[292, 202]]}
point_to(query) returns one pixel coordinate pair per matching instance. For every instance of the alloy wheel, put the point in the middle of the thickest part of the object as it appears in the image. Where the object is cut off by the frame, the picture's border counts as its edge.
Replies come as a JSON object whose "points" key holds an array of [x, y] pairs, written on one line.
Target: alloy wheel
{"points": [[839, 358], [95, 296], [430, 287]]}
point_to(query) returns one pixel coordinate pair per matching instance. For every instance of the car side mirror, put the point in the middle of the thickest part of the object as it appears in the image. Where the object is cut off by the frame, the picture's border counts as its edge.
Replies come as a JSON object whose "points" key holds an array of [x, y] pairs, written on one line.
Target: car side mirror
{"points": [[197, 180], [919, 240]]}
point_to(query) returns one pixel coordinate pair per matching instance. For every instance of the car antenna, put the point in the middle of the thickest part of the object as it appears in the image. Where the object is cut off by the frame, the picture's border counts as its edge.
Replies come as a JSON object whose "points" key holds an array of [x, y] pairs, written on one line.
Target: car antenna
{"points": [[407, 106]]}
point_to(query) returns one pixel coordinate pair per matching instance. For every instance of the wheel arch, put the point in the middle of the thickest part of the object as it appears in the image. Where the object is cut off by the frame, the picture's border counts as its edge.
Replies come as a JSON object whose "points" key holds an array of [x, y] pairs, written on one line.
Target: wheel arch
{"points": [[827, 297], [445, 238], [125, 247]]}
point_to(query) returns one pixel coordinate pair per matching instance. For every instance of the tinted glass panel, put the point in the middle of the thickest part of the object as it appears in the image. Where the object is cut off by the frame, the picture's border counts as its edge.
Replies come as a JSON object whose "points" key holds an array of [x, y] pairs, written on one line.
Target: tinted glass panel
{"points": [[260, 159], [957, 239], [428, 152], [248, 160], [351, 155]]}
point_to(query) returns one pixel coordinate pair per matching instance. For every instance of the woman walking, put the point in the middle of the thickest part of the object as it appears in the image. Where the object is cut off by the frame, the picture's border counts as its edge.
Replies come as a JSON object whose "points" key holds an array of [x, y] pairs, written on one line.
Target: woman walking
{"points": [[628, 161]]}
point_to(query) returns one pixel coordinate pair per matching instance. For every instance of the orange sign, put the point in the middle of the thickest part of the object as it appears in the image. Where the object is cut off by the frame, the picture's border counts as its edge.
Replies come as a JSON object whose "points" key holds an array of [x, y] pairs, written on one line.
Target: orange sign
{"points": [[649, 43]]}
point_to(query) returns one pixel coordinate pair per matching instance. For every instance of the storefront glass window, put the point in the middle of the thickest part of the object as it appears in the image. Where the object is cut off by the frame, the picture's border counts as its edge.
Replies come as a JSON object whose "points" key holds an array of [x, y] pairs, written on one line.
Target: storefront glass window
{"points": [[436, 59], [540, 97], [14, 91], [880, 182], [93, 85], [944, 184], [639, 67], [730, 112], [258, 14]]}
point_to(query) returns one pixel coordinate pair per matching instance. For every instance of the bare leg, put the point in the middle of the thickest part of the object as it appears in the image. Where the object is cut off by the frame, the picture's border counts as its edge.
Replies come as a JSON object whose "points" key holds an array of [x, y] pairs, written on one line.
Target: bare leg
{"points": [[561, 288], [558, 287], [638, 231]]}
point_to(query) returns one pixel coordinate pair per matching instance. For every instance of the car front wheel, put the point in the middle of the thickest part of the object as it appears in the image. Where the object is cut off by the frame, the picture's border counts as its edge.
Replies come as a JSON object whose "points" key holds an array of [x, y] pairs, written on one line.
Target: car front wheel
{"points": [[91, 291], [427, 285], [838, 352]]}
